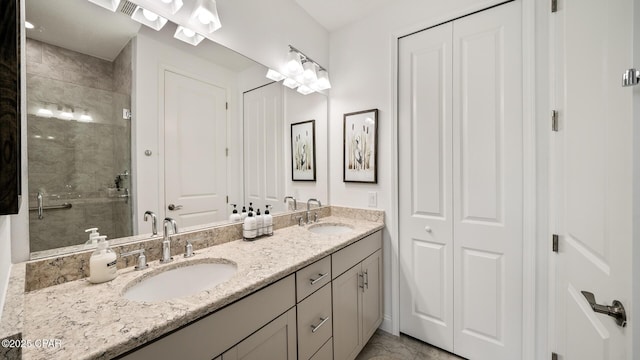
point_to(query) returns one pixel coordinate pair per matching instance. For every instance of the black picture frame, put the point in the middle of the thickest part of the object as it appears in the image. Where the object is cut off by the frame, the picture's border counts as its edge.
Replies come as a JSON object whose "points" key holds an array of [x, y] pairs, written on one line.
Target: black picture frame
{"points": [[303, 151], [10, 179], [360, 147]]}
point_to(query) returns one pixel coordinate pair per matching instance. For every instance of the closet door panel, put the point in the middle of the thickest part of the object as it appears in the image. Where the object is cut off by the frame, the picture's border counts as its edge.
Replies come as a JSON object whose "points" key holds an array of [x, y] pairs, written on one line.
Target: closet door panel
{"points": [[487, 183], [425, 151]]}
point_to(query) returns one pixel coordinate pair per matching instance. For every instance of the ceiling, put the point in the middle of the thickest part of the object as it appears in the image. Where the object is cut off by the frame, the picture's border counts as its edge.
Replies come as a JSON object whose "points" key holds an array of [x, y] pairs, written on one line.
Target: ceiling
{"points": [[334, 14], [83, 27]]}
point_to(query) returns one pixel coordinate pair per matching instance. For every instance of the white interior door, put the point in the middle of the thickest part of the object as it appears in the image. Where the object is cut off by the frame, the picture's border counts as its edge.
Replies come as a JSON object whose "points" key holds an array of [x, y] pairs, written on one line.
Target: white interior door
{"points": [[195, 166], [461, 202], [592, 176], [426, 158], [487, 183], [264, 147]]}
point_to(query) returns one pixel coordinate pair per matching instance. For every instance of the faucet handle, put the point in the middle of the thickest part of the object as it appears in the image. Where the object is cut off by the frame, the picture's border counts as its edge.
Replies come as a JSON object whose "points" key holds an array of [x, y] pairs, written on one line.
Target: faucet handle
{"points": [[315, 216], [300, 220], [142, 259]]}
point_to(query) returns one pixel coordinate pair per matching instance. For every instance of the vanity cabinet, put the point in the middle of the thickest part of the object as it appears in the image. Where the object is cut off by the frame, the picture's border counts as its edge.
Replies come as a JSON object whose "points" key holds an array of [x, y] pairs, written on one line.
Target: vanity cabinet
{"points": [[357, 296], [276, 341]]}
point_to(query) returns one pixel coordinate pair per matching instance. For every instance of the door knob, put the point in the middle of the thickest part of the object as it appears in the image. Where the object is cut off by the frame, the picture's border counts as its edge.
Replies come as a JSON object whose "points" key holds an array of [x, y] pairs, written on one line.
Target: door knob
{"points": [[174, 207], [427, 229], [616, 310]]}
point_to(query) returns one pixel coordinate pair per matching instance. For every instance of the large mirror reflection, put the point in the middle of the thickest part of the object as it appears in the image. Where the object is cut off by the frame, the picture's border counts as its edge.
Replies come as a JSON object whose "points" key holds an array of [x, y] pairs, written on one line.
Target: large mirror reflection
{"points": [[123, 119]]}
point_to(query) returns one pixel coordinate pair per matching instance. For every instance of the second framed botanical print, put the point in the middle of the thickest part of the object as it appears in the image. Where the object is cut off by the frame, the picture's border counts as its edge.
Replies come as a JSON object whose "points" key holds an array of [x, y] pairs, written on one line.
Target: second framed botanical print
{"points": [[303, 151], [360, 149]]}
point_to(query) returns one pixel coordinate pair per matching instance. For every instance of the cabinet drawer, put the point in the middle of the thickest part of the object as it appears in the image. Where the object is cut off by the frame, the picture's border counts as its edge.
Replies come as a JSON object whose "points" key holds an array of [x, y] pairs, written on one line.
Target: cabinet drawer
{"points": [[346, 258], [325, 352], [313, 277], [314, 322]]}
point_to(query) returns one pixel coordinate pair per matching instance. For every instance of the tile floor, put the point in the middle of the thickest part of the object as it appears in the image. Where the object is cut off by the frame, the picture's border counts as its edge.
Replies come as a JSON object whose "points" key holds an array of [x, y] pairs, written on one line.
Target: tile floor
{"points": [[384, 346]]}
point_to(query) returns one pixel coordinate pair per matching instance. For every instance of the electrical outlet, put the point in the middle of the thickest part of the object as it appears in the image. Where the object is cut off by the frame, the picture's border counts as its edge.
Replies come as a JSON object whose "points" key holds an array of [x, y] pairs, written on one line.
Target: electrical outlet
{"points": [[373, 199]]}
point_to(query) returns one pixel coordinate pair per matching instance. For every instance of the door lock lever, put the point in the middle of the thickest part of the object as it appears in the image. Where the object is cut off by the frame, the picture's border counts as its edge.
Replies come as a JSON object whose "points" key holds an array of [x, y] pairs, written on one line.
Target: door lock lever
{"points": [[616, 310]]}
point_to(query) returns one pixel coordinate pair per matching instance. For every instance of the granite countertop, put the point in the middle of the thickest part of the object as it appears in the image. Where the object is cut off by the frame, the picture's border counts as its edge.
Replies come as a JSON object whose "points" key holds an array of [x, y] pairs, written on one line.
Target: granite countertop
{"points": [[81, 320]]}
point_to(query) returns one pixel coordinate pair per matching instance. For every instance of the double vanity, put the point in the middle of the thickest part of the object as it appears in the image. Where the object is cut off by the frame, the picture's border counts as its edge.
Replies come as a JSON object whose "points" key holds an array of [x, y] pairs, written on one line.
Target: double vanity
{"points": [[307, 292]]}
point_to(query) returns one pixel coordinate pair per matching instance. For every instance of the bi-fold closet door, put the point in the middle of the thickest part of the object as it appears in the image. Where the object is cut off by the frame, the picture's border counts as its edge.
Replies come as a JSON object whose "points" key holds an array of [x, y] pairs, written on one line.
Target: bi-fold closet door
{"points": [[460, 174]]}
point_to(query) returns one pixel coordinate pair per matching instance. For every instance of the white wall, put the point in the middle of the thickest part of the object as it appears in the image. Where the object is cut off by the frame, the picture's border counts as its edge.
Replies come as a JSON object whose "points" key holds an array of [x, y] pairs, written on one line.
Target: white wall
{"points": [[5, 257], [299, 108], [151, 57]]}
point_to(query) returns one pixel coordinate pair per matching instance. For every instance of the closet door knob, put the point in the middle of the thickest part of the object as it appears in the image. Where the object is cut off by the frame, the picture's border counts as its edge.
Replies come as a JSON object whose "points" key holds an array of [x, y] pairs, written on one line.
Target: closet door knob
{"points": [[427, 229]]}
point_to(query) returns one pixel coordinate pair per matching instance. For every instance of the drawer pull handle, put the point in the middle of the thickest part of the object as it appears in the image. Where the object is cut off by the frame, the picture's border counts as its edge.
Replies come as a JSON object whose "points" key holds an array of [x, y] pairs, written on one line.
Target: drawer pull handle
{"points": [[315, 328], [322, 276], [366, 278]]}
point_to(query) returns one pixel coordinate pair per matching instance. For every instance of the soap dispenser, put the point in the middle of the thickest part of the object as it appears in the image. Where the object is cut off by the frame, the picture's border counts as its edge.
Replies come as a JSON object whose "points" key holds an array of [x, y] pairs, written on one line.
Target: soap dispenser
{"points": [[259, 223], [93, 237], [249, 227], [234, 217], [267, 220], [243, 214], [102, 264]]}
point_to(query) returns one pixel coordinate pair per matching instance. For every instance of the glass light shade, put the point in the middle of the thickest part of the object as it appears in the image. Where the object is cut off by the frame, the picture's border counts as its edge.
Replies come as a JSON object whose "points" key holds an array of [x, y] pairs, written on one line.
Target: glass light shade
{"points": [[28, 25], [171, 5], [207, 14], [323, 82], [294, 66], [66, 115], [86, 118], [107, 4], [274, 75], [309, 75], [187, 35], [148, 18], [290, 83], [304, 90]]}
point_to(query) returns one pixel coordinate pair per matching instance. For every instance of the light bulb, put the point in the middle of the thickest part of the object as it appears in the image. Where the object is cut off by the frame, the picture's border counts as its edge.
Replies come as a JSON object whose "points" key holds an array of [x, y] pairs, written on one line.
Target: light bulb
{"points": [[149, 15], [309, 75], [205, 17], [188, 32], [28, 25], [294, 66]]}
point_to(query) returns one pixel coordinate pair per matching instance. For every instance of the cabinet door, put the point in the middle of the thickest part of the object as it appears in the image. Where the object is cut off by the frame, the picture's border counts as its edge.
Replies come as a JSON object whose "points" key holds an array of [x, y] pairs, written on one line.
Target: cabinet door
{"points": [[372, 294], [347, 334], [275, 341]]}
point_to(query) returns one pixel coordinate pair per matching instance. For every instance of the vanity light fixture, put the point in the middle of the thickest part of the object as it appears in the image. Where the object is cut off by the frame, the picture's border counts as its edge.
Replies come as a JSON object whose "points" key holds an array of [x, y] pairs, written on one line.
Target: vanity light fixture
{"points": [[187, 35], [274, 75], [207, 14], [171, 5], [107, 4], [309, 75], [149, 18], [300, 71], [304, 90], [290, 83], [294, 64], [46, 113]]}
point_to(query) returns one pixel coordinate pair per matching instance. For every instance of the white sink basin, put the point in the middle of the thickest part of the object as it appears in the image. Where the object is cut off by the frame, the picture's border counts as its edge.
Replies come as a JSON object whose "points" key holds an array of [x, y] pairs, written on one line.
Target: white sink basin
{"points": [[330, 229], [180, 281]]}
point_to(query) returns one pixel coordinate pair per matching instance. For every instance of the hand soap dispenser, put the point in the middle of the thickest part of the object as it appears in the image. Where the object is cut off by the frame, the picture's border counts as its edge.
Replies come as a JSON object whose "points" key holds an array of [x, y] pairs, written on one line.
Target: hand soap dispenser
{"points": [[102, 264], [259, 223], [249, 230], [93, 237], [243, 214], [267, 219], [235, 217]]}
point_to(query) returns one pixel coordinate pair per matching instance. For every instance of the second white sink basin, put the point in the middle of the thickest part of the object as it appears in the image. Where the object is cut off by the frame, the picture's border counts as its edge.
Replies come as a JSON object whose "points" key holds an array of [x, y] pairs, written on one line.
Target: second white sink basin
{"points": [[181, 281], [330, 229]]}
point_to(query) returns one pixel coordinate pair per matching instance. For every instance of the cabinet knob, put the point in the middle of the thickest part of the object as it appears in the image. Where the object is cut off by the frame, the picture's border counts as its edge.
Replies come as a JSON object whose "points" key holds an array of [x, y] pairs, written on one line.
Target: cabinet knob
{"points": [[427, 229]]}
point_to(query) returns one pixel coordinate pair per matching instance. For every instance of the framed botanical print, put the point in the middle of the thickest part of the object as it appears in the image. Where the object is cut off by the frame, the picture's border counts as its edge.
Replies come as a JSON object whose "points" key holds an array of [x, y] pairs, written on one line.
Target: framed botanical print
{"points": [[360, 147], [303, 151]]}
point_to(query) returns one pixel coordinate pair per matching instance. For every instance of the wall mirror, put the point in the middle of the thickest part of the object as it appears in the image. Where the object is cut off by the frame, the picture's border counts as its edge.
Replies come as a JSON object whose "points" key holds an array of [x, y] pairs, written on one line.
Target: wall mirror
{"points": [[122, 119]]}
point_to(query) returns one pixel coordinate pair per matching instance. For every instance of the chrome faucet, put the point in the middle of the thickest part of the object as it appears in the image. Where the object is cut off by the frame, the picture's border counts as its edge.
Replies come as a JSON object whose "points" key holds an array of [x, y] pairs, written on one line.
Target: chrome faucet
{"points": [[154, 221], [295, 203], [168, 223], [308, 202]]}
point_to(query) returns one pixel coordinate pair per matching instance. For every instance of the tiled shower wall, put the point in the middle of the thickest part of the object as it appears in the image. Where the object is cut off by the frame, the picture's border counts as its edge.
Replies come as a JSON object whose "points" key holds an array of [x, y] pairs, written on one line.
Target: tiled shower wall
{"points": [[75, 161]]}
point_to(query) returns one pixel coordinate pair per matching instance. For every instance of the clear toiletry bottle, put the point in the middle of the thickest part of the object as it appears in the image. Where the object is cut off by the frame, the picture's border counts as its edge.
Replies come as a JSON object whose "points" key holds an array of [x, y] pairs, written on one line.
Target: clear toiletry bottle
{"points": [[102, 264]]}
